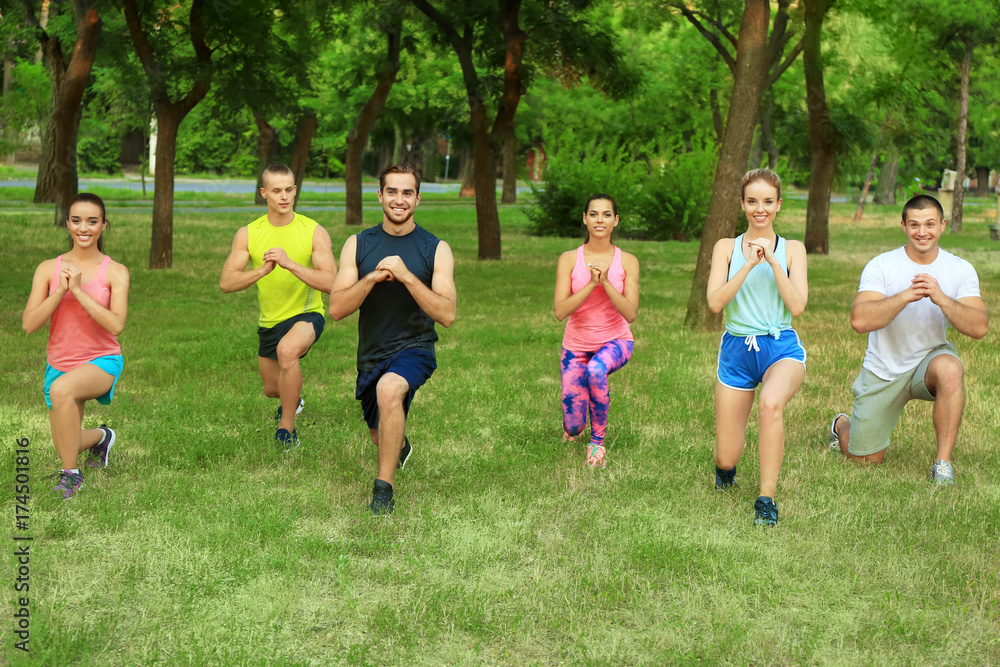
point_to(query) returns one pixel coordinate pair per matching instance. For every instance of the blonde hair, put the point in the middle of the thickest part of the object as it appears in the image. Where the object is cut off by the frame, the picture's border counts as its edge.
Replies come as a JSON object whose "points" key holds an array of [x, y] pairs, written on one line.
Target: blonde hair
{"points": [[765, 175]]}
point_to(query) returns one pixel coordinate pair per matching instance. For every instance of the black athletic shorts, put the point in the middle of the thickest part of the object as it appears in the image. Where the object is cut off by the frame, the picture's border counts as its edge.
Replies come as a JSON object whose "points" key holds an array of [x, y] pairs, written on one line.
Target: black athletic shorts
{"points": [[269, 338]]}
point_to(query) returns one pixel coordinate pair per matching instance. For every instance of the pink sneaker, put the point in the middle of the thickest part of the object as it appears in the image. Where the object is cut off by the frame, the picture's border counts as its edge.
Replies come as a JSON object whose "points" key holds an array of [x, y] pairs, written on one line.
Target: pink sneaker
{"points": [[595, 456]]}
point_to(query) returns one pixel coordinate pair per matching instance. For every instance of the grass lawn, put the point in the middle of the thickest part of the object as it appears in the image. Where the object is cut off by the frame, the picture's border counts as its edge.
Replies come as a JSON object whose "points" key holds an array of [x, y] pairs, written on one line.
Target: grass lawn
{"points": [[202, 543]]}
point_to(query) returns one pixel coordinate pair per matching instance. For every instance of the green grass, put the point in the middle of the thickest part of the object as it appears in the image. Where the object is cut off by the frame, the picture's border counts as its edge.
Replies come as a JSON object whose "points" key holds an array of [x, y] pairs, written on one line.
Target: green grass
{"points": [[202, 544]]}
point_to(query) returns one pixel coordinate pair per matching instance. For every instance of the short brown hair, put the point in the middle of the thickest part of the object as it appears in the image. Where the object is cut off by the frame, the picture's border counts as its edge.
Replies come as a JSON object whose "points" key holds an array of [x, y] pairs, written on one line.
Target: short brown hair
{"points": [[765, 175], [276, 169], [401, 168]]}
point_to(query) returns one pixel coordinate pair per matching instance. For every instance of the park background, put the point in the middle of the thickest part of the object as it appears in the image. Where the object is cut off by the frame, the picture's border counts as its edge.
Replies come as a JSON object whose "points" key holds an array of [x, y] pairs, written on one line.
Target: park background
{"points": [[204, 545]]}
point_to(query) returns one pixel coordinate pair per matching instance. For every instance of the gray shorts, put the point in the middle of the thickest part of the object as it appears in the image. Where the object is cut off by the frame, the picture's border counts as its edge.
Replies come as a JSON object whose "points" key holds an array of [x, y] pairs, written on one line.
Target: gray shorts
{"points": [[878, 403]]}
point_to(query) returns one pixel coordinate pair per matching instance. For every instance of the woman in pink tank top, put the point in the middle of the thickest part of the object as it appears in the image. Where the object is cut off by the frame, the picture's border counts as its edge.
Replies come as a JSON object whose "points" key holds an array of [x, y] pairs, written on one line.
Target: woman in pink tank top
{"points": [[83, 294], [597, 287]]}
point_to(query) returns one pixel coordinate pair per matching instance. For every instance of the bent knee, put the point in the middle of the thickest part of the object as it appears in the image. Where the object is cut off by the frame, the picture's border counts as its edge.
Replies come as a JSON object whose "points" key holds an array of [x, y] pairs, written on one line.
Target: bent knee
{"points": [[391, 390], [61, 393], [771, 409]]}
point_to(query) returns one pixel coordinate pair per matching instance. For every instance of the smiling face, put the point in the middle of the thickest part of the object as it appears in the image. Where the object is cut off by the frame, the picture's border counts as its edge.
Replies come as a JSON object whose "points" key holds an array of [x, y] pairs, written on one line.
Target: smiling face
{"points": [[85, 224], [279, 191], [399, 198], [761, 204], [923, 227], [600, 218]]}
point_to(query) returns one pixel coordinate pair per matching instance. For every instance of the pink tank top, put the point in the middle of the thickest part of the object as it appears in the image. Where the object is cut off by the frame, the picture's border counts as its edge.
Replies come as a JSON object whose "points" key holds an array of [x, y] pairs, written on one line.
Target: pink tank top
{"points": [[596, 321], [74, 337]]}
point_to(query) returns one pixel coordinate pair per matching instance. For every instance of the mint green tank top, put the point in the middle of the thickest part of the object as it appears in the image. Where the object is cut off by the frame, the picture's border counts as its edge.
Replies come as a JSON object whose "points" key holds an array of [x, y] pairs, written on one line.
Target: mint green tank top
{"points": [[757, 309]]}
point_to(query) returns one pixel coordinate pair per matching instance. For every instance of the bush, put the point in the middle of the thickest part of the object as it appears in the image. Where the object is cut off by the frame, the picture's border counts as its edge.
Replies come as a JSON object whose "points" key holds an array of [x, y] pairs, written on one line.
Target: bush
{"points": [[573, 173], [661, 194], [98, 148]]}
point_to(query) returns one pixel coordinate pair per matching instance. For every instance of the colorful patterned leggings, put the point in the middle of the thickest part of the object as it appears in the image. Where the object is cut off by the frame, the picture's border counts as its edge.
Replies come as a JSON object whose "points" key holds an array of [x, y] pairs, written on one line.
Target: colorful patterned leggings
{"points": [[585, 386]]}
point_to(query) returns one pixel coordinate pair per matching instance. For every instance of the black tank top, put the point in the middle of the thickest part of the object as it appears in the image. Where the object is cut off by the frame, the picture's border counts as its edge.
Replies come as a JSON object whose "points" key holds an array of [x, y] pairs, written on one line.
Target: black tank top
{"points": [[390, 319]]}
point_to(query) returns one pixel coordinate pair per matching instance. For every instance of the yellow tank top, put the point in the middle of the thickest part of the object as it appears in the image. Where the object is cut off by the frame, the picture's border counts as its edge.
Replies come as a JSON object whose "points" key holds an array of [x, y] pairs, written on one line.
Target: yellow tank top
{"points": [[280, 294]]}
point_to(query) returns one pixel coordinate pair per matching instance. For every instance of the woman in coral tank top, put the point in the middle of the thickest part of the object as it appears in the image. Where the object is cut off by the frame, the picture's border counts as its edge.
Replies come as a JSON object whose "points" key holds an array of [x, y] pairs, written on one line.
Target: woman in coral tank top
{"points": [[85, 295], [597, 287]]}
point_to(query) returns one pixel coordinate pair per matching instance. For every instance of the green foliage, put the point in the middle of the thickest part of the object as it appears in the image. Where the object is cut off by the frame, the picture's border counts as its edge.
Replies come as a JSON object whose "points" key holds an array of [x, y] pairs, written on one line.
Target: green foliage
{"points": [[99, 146], [211, 142], [24, 106], [661, 193]]}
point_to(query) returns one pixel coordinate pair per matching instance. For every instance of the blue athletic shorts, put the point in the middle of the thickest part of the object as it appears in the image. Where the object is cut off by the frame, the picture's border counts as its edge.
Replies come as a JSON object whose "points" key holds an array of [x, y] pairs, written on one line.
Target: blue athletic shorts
{"points": [[111, 364], [744, 360], [415, 365], [269, 338]]}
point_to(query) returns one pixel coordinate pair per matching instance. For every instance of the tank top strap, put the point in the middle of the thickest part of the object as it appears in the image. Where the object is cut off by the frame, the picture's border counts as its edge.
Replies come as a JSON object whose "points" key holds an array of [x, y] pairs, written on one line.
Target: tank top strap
{"points": [[102, 271], [616, 263]]}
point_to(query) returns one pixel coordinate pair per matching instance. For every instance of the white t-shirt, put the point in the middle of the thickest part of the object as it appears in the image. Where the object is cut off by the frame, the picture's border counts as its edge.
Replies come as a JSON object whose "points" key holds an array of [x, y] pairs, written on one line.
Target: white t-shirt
{"points": [[920, 327]]}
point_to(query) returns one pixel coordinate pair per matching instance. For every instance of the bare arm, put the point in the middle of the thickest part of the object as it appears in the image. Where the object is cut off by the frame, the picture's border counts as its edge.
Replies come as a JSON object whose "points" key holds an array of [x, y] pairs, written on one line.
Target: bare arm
{"points": [[324, 269], [41, 304], [235, 275], [627, 303], [348, 291], [113, 317], [440, 300], [873, 310], [721, 290], [967, 315], [793, 287], [566, 302]]}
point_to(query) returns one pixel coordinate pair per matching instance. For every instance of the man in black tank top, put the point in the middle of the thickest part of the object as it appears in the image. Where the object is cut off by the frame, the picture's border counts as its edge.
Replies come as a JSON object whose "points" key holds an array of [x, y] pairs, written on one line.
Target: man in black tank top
{"points": [[401, 278]]}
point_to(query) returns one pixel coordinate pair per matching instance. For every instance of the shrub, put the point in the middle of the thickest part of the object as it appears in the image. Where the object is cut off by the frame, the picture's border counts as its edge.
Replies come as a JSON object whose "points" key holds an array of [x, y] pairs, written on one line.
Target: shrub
{"points": [[661, 193]]}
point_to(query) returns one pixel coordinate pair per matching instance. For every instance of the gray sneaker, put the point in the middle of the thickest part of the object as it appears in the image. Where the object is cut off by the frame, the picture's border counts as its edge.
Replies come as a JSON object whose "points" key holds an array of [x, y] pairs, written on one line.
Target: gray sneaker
{"points": [[834, 438], [942, 473]]}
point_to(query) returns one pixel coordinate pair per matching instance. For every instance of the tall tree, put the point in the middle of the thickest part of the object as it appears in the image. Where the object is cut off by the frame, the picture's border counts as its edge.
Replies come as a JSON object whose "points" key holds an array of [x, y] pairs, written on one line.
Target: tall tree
{"points": [[822, 133], [57, 173], [163, 66], [357, 137], [752, 63], [562, 33]]}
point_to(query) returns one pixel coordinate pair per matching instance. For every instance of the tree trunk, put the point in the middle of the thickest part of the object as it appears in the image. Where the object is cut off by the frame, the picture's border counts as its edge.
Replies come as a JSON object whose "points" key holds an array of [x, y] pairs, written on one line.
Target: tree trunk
{"points": [[724, 206], [304, 133], [713, 101], [963, 127], [756, 151], [267, 148], [982, 181], [429, 173], [357, 138], [869, 177], [57, 174], [509, 193], [465, 173], [169, 115], [767, 134], [885, 193], [161, 245], [485, 177], [821, 131], [398, 144]]}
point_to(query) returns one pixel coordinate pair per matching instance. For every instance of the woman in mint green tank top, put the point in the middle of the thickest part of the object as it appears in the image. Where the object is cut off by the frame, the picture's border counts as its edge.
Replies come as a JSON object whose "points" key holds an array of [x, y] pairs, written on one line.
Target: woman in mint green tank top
{"points": [[759, 280]]}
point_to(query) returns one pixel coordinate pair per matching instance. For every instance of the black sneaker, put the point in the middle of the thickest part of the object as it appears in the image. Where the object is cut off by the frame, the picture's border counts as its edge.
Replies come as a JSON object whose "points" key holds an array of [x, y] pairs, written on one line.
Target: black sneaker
{"points": [[382, 502], [766, 511], [404, 454], [725, 479], [288, 441], [302, 404]]}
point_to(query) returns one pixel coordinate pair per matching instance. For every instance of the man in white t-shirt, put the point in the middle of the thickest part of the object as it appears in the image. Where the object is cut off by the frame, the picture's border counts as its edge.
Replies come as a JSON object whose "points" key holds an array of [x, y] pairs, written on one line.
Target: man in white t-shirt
{"points": [[907, 299]]}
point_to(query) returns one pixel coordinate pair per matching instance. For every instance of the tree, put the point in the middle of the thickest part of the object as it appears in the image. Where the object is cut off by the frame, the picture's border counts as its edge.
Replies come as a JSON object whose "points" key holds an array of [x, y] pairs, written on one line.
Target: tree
{"points": [[162, 65], [822, 133], [559, 31], [357, 137], [748, 83], [57, 173]]}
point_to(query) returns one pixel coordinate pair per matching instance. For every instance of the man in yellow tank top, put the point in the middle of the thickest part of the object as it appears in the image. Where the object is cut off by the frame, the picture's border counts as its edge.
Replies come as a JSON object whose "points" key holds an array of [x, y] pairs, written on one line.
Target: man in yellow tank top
{"points": [[291, 261]]}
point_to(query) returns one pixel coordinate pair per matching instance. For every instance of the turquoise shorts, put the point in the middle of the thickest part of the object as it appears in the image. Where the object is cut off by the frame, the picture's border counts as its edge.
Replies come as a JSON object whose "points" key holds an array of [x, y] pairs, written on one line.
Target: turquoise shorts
{"points": [[111, 364]]}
